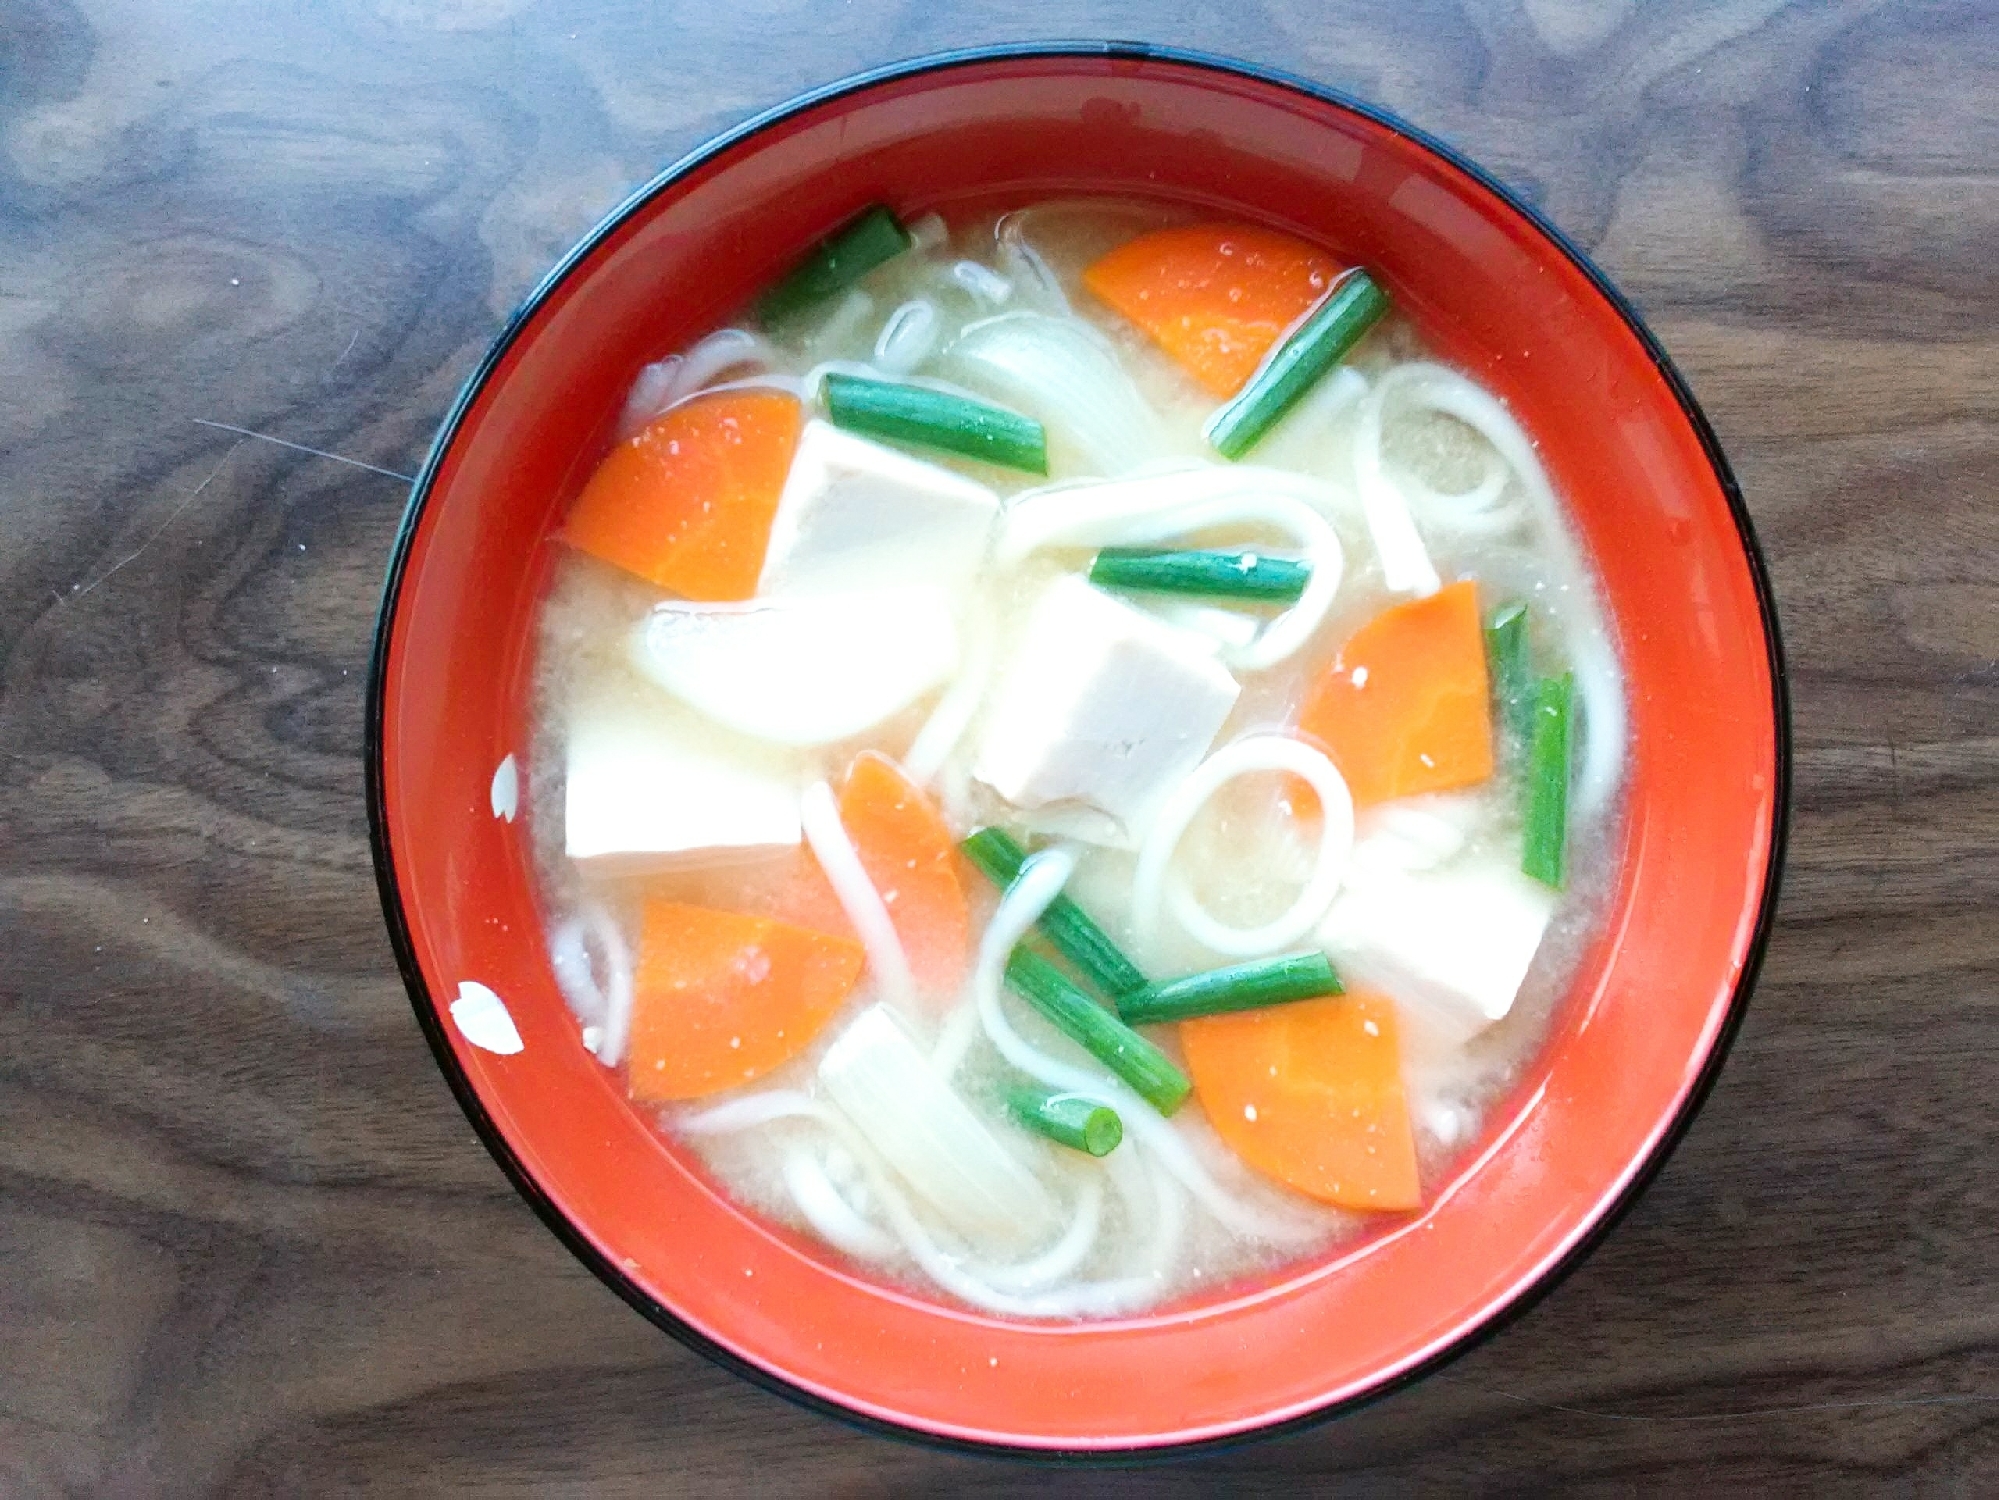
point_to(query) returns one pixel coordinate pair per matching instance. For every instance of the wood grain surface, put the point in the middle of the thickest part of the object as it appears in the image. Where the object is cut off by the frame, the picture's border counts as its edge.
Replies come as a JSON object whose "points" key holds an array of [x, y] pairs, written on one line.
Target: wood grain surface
{"points": [[249, 1246]]}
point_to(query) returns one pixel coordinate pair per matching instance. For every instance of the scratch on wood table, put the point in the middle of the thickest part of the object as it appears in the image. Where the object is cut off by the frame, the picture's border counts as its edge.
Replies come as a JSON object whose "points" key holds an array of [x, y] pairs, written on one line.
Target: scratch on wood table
{"points": [[339, 458]]}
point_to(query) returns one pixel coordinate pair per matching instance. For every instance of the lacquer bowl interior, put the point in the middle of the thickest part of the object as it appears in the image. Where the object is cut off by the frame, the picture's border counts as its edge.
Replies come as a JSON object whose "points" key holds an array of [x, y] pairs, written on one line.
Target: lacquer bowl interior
{"points": [[1638, 1037]]}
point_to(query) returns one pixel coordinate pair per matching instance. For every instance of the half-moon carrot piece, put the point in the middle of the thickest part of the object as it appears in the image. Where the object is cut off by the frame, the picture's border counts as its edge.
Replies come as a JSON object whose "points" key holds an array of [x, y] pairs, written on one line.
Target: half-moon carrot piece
{"points": [[720, 998], [1405, 707], [909, 854], [687, 503], [1310, 1093], [910, 857], [1216, 297]]}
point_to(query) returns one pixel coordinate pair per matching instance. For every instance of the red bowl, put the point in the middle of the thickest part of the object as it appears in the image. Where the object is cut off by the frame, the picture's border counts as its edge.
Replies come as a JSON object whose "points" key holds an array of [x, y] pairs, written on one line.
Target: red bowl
{"points": [[1505, 297]]}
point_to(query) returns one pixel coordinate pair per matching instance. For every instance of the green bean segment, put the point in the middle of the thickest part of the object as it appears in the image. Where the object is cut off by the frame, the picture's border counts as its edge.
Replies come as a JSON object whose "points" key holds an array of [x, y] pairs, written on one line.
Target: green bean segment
{"points": [[1070, 1120], [1248, 986], [865, 241], [1241, 574], [930, 418], [1545, 834], [1076, 937], [1150, 1072], [1325, 338]]}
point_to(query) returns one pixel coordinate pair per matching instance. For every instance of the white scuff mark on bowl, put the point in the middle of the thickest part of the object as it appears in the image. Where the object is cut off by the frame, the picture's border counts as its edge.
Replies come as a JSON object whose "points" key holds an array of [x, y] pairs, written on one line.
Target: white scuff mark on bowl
{"points": [[482, 1019], [507, 789]]}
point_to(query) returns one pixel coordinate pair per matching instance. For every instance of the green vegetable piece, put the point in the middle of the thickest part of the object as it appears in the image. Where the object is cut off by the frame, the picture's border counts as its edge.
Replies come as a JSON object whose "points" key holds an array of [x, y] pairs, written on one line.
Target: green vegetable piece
{"points": [[1243, 574], [1067, 1119], [1545, 836], [1150, 1072], [1320, 342], [1065, 924], [1249, 986], [937, 419], [1506, 654], [846, 255]]}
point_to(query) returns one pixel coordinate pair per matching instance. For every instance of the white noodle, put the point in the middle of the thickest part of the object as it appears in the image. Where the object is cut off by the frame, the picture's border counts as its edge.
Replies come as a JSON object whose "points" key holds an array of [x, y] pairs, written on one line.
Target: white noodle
{"points": [[569, 956], [650, 395], [1046, 517], [1225, 627], [1473, 512], [1301, 439], [670, 381], [813, 382], [956, 707], [748, 1111], [1151, 890], [1169, 1223], [954, 1041], [1405, 562], [1155, 1209], [1089, 1299], [766, 380], [724, 350], [1138, 512], [606, 1012], [984, 283], [1066, 1254], [1160, 1164], [969, 1282], [1040, 881], [1476, 511], [1599, 683], [1025, 265], [841, 324], [1064, 373], [827, 1210], [907, 338], [819, 814]]}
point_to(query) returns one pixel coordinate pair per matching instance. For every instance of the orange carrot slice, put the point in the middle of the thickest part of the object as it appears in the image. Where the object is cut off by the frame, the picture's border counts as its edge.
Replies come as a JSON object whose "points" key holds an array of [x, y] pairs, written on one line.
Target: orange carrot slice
{"points": [[687, 503], [720, 998], [1404, 708], [908, 852], [1310, 1093], [1215, 297]]}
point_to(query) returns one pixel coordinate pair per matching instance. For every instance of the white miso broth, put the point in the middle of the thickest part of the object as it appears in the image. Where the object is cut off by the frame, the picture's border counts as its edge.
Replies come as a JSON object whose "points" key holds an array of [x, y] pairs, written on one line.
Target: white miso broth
{"points": [[1334, 711]]}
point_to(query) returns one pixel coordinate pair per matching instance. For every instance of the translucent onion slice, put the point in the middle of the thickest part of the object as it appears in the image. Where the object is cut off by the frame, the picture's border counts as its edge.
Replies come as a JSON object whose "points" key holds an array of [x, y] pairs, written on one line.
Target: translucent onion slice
{"points": [[881, 1081], [802, 671], [1061, 372], [888, 965]]}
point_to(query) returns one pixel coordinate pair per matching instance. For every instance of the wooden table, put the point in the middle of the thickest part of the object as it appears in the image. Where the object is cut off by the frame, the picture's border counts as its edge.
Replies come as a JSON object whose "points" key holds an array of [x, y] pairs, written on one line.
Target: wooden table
{"points": [[247, 1242]]}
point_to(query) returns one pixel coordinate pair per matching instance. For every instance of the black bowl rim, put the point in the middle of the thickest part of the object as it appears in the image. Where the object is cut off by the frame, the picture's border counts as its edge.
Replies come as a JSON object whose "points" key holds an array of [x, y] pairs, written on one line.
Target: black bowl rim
{"points": [[427, 1012]]}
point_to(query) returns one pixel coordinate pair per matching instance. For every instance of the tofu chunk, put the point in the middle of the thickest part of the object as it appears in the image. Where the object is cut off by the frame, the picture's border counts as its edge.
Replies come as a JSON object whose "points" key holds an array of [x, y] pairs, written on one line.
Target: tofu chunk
{"points": [[1099, 711], [650, 786], [855, 515], [1451, 945]]}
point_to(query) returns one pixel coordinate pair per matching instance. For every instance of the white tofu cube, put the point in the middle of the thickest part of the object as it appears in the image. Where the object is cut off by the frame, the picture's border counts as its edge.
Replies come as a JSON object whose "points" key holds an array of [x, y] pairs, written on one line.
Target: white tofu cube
{"points": [[855, 515], [1099, 711], [649, 786], [1450, 945]]}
